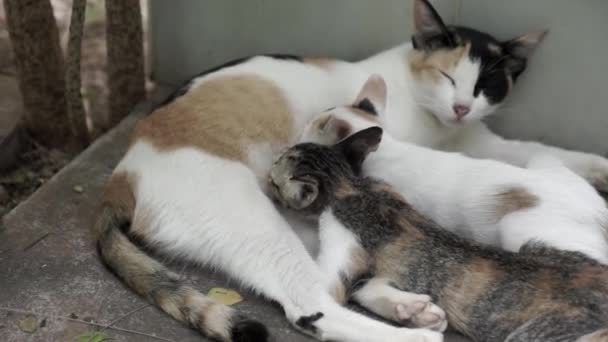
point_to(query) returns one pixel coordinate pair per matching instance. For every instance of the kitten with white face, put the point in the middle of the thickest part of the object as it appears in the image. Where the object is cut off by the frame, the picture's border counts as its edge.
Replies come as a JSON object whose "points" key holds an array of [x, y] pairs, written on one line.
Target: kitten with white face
{"points": [[484, 200]]}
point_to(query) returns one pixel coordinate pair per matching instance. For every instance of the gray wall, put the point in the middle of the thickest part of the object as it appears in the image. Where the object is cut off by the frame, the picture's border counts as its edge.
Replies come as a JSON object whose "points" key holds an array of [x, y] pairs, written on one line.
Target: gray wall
{"points": [[560, 100]]}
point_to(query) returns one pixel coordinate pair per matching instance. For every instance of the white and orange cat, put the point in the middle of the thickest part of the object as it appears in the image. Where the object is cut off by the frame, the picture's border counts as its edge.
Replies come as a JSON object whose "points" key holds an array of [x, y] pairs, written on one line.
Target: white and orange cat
{"points": [[192, 183]]}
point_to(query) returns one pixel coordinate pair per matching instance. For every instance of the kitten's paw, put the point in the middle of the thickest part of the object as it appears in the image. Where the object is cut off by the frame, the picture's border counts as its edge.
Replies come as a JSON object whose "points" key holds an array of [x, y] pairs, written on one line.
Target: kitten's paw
{"points": [[418, 335], [596, 173], [595, 170], [422, 314]]}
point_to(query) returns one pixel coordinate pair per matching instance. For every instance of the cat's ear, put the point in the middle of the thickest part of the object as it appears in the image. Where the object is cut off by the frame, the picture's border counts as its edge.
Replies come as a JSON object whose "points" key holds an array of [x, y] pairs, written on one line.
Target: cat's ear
{"points": [[372, 97], [430, 32], [357, 146], [523, 46], [519, 49], [301, 192], [334, 129]]}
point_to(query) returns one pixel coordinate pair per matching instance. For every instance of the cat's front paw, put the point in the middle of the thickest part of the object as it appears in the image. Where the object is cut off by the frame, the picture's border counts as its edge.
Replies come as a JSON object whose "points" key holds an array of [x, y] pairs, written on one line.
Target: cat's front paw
{"points": [[422, 314], [596, 172]]}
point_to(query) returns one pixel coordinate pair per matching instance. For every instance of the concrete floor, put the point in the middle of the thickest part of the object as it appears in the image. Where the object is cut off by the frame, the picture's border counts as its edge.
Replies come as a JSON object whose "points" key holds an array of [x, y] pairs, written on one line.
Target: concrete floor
{"points": [[50, 272]]}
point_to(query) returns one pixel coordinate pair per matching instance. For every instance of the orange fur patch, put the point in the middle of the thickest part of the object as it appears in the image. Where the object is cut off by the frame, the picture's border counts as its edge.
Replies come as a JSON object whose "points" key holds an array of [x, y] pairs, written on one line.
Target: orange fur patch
{"points": [[424, 64], [461, 293], [321, 62], [359, 264], [514, 199], [345, 189], [119, 192], [222, 116]]}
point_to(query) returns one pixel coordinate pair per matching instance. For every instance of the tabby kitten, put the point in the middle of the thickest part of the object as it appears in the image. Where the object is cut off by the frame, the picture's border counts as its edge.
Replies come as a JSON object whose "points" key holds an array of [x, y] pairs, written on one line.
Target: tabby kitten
{"points": [[538, 295]]}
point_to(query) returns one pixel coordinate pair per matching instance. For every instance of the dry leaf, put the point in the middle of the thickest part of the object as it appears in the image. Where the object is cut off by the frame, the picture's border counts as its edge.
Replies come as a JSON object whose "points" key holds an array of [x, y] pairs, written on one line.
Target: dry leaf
{"points": [[225, 296], [28, 324]]}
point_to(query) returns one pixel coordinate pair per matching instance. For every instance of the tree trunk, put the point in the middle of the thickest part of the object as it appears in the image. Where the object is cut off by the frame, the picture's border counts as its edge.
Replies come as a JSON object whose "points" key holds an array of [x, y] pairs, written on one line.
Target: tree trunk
{"points": [[124, 36], [75, 106], [35, 39]]}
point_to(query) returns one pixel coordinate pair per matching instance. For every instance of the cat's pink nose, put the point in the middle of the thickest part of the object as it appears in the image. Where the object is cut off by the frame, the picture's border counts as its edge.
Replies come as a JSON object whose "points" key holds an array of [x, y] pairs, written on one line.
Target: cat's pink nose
{"points": [[461, 110]]}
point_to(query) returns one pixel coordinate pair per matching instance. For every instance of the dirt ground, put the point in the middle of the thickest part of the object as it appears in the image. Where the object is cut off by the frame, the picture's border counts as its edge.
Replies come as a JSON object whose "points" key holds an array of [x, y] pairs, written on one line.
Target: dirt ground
{"points": [[33, 164]]}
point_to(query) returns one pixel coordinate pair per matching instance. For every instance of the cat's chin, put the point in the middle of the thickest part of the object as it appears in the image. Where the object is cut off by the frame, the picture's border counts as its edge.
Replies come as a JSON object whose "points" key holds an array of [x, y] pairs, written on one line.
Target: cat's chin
{"points": [[452, 122]]}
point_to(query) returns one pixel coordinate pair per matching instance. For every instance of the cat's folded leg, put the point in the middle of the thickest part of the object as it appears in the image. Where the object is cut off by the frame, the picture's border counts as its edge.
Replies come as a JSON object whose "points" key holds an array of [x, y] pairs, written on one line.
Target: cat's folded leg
{"points": [[378, 296], [342, 259], [479, 141]]}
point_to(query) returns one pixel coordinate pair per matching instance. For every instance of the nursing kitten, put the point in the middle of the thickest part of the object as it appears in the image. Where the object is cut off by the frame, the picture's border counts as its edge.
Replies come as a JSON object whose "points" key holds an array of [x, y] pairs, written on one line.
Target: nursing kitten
{"points": [[485, 200], [488, 294]]}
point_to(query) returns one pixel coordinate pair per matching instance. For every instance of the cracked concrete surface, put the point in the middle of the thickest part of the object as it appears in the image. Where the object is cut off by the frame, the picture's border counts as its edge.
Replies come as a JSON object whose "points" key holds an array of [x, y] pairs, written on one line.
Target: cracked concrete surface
{"points": [[49, 267]]}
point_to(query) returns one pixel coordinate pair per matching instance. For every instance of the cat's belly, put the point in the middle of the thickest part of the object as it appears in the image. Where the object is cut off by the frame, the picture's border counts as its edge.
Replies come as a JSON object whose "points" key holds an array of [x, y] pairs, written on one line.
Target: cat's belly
{"points": [[306, 230], [191, 194], [186, 195]]}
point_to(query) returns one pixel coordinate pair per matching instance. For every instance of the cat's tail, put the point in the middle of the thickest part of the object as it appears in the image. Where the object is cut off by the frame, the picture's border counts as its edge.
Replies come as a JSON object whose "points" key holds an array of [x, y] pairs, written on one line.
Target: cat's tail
{"points": [[162, 287]]}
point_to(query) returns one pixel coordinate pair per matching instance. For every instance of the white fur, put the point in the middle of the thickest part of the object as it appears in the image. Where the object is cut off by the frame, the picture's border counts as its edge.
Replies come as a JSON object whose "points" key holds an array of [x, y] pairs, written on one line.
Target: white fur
{"points": [[460, 194], [211, 211], [420, 112], [214, 211], [337, 245], [308, 88]]}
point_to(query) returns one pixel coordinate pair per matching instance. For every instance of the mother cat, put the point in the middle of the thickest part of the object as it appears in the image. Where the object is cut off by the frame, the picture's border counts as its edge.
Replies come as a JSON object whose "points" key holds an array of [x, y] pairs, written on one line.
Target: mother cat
{"points": [[192, 183]]}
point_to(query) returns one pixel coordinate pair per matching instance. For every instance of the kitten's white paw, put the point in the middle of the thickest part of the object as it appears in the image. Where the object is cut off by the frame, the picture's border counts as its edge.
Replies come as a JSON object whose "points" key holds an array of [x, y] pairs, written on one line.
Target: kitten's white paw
{"points": [[417, 335], [595, 170], [598, 175], [422, 314]]}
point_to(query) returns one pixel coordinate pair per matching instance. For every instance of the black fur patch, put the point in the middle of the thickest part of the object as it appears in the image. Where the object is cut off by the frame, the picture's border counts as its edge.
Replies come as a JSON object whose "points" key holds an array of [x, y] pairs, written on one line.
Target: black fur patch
{"points": [[367, 106], [497, 64], [283, 56], [492, 80], [249, 331], [306, 322], [183, 89]]}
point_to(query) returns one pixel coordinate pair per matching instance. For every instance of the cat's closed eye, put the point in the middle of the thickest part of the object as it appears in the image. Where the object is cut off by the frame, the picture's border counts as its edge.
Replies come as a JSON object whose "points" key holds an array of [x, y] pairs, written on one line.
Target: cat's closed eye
{"points": [[445, 74]]}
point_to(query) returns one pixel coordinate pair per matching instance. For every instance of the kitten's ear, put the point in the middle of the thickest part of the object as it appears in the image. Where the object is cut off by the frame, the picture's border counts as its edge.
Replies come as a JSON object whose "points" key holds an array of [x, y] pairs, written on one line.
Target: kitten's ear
{"points": [[372, 97], [356, 147], [429, 30], [301, 192], [519, 49], [522, 47], [334, 129]]}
